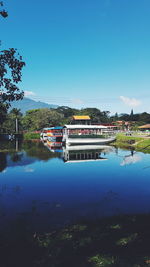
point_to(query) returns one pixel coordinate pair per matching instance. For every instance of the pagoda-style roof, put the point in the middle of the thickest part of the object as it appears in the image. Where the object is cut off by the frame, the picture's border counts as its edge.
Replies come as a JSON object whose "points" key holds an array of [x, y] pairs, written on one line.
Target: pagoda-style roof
{"points": [[85, 117], [146, 126]]}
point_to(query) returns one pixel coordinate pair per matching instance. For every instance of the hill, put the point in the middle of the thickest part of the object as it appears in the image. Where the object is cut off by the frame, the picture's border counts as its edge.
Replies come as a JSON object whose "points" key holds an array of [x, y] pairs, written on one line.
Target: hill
{"points": [[28, 104]]}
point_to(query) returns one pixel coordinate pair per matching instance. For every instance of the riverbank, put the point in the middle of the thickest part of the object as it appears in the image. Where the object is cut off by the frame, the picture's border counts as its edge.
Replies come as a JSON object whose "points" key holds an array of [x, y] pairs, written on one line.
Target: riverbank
{"points": [[138, 143], [135, 142]]}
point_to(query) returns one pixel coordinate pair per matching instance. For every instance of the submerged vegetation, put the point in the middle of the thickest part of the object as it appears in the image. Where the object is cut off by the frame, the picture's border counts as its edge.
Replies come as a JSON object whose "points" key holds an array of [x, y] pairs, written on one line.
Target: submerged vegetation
{"points": [[116, 241], [121, 241]]}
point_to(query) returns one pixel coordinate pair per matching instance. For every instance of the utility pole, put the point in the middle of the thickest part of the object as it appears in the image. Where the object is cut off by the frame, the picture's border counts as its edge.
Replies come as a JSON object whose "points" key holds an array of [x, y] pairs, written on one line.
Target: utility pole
{"points": [[16, 125], [1, 95]]}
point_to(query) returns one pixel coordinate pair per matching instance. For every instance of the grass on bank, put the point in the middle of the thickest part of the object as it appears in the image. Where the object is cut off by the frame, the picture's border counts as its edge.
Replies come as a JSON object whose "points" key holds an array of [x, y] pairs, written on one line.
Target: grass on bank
{"points": [[143, 146], [123, 140], [137, 143]]}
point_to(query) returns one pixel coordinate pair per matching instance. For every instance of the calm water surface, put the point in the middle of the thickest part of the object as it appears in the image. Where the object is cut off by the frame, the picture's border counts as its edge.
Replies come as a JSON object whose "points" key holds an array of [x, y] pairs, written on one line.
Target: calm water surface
{"points": [[44, 188]]}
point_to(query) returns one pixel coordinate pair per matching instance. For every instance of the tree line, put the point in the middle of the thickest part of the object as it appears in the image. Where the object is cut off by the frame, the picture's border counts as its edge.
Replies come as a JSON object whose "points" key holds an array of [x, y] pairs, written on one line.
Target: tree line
{"points": [[11, 65], [37, 119]]}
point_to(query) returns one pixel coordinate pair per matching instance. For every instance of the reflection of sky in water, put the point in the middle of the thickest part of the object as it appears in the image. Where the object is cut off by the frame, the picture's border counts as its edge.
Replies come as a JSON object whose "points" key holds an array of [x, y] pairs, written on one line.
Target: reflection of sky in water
{"points": [[131, 159], [28, 169], [50, 192]]}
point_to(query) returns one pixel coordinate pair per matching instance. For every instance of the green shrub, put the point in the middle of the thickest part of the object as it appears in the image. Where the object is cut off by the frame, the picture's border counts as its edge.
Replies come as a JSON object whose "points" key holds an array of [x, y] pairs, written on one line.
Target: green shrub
{"points": [[31, 135]]}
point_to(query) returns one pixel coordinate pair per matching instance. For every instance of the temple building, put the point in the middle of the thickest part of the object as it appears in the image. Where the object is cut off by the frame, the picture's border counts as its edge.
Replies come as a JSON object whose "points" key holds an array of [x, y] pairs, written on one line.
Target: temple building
{"points": [[145, 127], [86, 120]]}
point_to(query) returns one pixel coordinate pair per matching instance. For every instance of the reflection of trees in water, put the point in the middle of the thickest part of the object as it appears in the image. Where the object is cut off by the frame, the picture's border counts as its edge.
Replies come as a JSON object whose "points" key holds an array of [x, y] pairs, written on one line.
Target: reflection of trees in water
{"points": [[34, 150], [9, 145], [15, 157], [37, 150], [3, 161]]}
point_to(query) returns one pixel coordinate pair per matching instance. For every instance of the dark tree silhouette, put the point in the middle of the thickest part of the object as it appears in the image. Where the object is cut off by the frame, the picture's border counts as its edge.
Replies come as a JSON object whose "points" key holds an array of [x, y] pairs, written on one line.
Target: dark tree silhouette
{"points": [[11, 65], [10, 60], [3, 112], [3, 12], [3, 161]]}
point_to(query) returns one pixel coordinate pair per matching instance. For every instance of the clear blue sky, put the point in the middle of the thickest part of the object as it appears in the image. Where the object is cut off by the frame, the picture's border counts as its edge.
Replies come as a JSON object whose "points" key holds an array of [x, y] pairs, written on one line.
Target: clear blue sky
{"points": [[83, 53]]}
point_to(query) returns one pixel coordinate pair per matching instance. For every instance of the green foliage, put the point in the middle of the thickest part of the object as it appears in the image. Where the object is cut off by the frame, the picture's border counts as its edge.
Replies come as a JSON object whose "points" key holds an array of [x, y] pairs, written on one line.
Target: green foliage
{"points": [[3, 113], [102, 261], [10, 59], [31, 135], [16, 113], [11, 65], [115, 117], [96, 115], [97, 243], [126, 240], [140, 117], [115, 226], [38, 119], [67, 111], [9, 125]]}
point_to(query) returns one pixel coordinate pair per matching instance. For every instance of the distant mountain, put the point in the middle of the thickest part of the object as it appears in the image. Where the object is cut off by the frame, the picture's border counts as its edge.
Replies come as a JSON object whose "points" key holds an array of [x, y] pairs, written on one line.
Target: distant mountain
{"points": [[28, 104]]}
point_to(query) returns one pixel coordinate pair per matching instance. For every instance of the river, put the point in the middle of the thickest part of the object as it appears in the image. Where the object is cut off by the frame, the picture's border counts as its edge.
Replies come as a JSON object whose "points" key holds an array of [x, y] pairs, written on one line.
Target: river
{"points": [[46, 189]]}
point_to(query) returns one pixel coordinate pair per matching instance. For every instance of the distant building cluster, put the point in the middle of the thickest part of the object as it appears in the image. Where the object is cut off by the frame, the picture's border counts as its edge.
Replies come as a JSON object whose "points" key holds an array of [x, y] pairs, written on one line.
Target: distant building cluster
{"points": [[115, 125]]}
